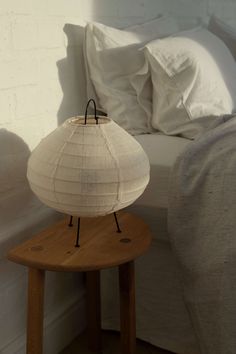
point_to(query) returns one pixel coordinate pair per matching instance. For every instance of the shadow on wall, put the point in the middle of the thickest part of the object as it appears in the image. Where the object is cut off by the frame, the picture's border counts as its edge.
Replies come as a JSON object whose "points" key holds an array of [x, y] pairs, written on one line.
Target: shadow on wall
{"points": [[14, 157], [13, 165], [71, 72]]}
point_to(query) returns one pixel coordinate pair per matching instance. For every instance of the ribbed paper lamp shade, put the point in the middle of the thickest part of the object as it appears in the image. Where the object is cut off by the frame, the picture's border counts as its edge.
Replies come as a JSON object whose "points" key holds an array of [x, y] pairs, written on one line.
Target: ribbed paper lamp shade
{"points": [[88, 170]]}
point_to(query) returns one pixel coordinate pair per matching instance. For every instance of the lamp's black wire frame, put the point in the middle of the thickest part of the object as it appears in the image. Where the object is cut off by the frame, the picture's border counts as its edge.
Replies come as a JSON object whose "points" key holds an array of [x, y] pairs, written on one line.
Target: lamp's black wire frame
{"points": [[77, 243], [95, 111]]}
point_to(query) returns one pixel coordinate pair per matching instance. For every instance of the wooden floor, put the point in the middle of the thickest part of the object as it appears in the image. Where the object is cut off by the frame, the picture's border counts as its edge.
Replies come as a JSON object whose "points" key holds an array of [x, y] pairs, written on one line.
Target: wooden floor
{"points": [[110, 346]]}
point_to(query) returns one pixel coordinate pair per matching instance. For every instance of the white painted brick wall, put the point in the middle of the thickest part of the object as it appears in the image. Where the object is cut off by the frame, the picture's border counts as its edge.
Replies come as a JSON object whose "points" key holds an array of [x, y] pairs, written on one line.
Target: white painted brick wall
{"points": [[41, 66]]}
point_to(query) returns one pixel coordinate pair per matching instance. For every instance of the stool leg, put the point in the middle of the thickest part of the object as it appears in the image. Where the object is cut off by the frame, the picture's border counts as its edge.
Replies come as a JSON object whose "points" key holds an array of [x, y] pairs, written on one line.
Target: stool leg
{"points": [[36, 278], [94, 310], [127, 308]]}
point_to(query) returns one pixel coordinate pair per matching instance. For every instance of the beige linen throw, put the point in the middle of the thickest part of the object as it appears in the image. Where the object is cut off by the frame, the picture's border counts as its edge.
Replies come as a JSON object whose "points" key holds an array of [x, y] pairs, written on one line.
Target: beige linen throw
{"points": [[202, 231]]}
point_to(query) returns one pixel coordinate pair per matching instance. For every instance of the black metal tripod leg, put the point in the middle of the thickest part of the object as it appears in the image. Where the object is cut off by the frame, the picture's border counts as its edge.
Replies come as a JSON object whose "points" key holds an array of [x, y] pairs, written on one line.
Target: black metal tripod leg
{"points": [[77, 238], [71, 221], [117, 224]]}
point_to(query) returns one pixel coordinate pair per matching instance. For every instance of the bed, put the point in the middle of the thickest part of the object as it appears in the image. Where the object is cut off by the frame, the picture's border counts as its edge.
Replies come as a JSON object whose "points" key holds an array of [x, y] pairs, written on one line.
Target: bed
{"points": [[167, 88]]}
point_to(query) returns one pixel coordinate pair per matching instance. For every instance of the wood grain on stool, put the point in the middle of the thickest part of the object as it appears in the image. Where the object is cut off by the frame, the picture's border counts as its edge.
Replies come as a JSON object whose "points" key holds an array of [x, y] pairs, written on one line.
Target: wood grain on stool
{"points": [[100, 245]]}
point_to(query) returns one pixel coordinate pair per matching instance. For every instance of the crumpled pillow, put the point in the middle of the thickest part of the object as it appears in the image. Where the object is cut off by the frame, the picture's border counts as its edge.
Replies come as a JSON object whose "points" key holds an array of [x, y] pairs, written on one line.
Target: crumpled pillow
{"points": [[113, 56], [194, 80]]}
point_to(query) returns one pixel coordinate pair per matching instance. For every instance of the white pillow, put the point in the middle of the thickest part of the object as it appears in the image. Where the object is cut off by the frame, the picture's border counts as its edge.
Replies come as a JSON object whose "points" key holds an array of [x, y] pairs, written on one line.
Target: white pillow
{"points": [[113, 56], [194, 76], [224, 32]]}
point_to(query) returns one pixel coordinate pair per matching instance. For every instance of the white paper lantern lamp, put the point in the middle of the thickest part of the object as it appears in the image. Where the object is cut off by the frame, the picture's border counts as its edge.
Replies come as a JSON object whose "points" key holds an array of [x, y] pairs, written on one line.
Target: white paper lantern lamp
{"points": [[88, 167]]}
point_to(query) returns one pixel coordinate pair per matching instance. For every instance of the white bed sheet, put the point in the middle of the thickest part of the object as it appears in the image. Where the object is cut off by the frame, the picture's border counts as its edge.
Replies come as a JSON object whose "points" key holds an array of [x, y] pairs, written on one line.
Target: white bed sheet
{"points": [[162, 151]]}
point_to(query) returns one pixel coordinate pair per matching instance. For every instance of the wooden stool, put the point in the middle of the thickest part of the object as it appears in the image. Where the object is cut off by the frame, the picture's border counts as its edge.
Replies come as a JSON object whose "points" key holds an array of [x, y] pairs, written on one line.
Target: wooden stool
{"points": [[101, 247]]}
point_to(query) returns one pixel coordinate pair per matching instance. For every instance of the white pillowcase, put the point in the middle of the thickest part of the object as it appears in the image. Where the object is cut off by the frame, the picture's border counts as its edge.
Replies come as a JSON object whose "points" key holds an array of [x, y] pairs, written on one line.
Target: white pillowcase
{"points": [[194, 77], [113, 56], [224, 32]]}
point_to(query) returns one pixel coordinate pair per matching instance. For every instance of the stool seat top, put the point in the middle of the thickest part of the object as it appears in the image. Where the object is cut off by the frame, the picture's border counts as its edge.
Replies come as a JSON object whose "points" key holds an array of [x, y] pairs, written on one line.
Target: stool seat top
{"points": [[101, 246]]}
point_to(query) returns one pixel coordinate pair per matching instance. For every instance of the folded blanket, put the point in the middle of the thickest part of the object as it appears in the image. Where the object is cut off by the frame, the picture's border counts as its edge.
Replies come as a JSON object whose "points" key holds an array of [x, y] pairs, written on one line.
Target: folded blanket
{"points": [[202, 231]]}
